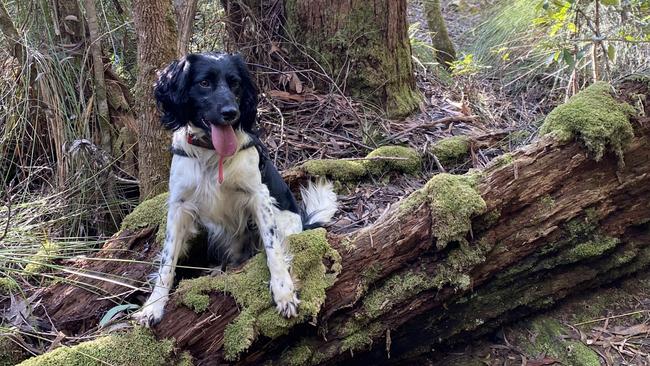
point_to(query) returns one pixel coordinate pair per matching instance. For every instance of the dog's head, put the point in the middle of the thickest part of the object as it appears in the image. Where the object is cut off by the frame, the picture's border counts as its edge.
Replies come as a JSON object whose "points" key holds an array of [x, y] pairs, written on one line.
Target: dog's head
{"points": [[207, 89]]}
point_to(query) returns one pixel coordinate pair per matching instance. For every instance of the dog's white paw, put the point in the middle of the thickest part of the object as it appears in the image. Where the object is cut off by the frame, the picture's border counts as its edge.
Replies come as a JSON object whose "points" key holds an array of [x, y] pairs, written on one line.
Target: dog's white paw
{"points": [[285, 296], [149, 314]]}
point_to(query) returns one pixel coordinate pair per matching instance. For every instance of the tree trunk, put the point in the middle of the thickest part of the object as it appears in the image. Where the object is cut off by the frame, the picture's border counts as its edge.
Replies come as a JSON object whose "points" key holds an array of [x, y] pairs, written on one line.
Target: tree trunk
{"points": [[185, 11], [452, 261], [69, 26], [11, 35], [156, 31], [445, 52], [360, 46], [101, 101]]}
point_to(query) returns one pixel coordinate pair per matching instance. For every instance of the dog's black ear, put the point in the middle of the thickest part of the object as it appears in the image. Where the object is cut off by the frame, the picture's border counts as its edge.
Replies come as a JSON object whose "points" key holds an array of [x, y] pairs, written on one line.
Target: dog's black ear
{"points": [[171, 94], [248, 100]]}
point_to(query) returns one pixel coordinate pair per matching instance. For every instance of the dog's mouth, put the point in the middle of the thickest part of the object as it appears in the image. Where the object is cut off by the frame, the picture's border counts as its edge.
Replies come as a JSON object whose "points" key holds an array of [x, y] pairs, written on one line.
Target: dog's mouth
{"points": [[224, 141]]}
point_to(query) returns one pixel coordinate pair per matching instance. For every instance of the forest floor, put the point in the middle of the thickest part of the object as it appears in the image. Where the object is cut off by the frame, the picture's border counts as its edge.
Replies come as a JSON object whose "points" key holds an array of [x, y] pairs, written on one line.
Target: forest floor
{"points": [[607, 327], [326, 126]]}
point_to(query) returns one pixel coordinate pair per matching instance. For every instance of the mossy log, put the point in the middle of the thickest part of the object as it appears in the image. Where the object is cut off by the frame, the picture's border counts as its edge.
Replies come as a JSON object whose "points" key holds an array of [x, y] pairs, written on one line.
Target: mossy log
{"points": [[452, 261]]}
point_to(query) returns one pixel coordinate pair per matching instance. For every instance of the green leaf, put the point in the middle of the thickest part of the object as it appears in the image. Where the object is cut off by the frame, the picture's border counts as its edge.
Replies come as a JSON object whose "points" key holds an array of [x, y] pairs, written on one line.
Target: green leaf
{"points": [[111, 313], [572, 27], [610, 2], [568, 58], [611, 52]]}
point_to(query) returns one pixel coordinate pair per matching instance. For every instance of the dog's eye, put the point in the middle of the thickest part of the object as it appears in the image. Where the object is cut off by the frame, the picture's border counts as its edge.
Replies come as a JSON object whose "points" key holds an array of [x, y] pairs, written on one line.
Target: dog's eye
{"points": [[204, 84]]}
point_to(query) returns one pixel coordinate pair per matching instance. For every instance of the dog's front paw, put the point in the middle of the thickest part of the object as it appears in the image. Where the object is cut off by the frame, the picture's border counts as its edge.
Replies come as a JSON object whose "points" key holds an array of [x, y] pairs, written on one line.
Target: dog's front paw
{"points": [[149, 314], [285, 296]]}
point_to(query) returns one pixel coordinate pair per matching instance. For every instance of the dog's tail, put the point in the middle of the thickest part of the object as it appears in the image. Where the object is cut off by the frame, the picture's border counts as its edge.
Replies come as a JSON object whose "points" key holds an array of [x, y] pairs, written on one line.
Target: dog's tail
{"points": [[319, 204]]}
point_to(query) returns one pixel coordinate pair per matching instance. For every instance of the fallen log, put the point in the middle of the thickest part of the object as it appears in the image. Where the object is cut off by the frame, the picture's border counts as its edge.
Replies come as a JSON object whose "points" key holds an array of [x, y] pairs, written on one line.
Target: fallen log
{"points": [[453, 260]]}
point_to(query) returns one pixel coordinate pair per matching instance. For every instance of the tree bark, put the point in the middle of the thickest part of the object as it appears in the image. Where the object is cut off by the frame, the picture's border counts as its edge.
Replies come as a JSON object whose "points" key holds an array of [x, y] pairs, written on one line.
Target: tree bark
{"points": [[359, 46], [555, 222], [185, 11], [69, 26], [101, 101], [11, 35], [445, 52], [156, 30]]}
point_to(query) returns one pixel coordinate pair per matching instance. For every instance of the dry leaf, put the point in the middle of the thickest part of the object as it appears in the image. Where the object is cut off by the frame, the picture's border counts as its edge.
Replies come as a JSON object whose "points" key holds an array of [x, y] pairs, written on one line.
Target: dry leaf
{"points": [[279, 94], [295, 84]]}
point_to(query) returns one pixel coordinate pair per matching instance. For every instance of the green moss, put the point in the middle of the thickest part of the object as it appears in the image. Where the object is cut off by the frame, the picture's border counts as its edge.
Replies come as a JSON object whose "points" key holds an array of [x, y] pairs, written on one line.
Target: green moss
{"points": [[591, 248], [547, 202], [548, 338], [454, 200], [150, 212], [185, 360], [362, 338], [43, 258], [348, 245], [456, 268], [10, 352], [486, 220], [393, 291], [452, 150], [336, 169], [503, 160], [454, 271], [138, 347], [412, 164], [595, 118], [250, 289], [7, 285], [299, 355], [351, 170], [519, 137]]}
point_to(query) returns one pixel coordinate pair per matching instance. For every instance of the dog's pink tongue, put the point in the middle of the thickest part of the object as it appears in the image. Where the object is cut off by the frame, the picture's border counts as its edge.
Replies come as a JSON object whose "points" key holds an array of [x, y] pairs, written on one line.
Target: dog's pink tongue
{"points": [[224, 141]]}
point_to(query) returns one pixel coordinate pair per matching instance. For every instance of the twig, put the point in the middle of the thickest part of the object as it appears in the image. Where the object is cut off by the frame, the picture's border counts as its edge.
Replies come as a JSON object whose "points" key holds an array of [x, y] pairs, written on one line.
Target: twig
{"points": [[611, 317], [440, 167]]}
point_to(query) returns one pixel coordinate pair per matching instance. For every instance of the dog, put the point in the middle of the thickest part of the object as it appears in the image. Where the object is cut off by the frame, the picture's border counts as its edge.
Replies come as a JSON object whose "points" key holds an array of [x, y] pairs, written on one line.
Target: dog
{"points": [[222, 179]]}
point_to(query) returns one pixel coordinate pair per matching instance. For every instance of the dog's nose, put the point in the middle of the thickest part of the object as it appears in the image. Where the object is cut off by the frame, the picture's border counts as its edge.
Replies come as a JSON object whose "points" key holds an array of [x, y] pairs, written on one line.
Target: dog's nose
{"points": [[230, 113]]}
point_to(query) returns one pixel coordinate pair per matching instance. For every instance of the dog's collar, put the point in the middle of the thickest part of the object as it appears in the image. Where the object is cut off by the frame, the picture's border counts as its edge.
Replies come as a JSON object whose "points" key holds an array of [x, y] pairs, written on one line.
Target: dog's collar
{"points": [[199, 141], [202, 142]]}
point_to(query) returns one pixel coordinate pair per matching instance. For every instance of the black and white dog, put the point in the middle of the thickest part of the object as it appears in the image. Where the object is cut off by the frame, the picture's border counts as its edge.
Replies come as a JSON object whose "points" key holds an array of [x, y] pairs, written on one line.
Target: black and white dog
{"points": [[222, 179]]}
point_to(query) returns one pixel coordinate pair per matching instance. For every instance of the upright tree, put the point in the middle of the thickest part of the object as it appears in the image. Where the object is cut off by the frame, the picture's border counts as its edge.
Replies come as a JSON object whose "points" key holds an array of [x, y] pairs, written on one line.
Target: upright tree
{"points": [[10, 34], [185, 11], [155, 27], [362, 45], [444, 48], [101, 100]]}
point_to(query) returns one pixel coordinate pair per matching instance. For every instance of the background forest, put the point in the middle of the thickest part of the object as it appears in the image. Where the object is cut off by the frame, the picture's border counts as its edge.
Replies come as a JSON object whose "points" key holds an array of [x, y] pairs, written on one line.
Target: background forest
{"points": [[380, 96]]}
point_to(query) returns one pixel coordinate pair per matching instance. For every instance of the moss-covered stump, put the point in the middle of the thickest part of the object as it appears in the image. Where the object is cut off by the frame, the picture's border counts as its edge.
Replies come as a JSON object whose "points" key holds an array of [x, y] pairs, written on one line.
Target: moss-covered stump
{"points": [[137, 347], [451, 151]]}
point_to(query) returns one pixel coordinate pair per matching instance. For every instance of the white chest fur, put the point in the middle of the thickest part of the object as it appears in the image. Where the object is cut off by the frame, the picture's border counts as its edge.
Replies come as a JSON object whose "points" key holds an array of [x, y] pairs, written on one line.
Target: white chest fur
{"points": [[223, 209]]}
